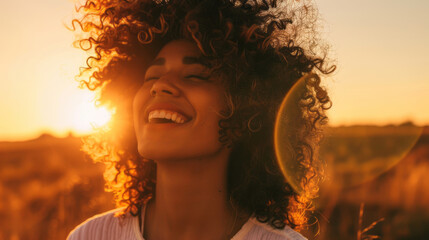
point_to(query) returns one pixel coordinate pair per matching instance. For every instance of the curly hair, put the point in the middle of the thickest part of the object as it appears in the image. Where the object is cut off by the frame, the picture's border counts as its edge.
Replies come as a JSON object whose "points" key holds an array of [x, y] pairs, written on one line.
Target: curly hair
{"points": [[260, 49]]}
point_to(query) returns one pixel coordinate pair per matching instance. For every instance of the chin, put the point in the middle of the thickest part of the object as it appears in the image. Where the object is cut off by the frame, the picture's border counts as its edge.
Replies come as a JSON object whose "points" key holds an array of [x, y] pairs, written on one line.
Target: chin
{"points": [[164, 153], [158, 152]]}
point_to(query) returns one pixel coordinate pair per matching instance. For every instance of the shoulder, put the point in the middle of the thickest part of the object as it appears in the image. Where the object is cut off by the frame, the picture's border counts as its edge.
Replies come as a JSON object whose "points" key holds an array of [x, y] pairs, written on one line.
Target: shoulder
{"points": [[107, 226], [261, 231]]}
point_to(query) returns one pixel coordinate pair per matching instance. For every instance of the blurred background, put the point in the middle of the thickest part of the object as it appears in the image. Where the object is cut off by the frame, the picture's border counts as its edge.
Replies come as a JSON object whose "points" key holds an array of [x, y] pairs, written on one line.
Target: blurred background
{"points": [[376, 146]]}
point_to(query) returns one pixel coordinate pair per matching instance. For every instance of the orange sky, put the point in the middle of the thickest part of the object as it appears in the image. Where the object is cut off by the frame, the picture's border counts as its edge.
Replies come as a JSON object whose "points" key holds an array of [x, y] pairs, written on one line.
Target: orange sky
{"points": [[382, 53], [380, 48]]}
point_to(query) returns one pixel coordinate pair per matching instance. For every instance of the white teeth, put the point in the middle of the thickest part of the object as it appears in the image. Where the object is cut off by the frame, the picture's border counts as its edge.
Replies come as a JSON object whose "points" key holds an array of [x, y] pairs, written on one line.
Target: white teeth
{"points": [[166, 114], [162, 114]]}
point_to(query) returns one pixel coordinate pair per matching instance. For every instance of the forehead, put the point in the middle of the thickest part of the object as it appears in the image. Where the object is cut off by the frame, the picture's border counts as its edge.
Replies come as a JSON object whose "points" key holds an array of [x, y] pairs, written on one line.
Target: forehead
{"points": [[179, 49]]}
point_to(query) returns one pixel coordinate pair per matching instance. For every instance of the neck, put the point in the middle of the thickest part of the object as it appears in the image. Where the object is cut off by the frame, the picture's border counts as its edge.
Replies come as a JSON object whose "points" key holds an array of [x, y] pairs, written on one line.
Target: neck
{"points": [[191, 201]]}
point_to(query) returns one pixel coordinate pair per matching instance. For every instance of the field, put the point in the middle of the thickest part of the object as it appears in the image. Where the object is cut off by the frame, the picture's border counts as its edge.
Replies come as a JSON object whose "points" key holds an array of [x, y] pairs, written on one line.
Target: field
{"points": [[47, 188], [376, 175], [382, 170]]}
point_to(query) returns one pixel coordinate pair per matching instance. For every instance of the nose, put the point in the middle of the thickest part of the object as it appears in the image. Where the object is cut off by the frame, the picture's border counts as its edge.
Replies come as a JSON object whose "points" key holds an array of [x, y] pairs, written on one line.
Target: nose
{"points": [[165, 86]]}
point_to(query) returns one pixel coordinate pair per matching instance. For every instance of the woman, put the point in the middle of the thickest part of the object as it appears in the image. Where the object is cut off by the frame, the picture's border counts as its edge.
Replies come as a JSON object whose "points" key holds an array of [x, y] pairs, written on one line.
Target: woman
{"points": [[196, 86]]}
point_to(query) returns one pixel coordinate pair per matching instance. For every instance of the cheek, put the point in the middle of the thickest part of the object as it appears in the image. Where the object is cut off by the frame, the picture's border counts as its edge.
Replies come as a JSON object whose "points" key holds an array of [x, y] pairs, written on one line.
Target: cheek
{"points": [[139, 101], [213, 98], [211, 108]]}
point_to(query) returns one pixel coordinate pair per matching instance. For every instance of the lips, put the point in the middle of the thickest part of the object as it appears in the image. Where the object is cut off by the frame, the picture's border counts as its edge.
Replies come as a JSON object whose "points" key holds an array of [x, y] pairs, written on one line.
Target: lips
{"points": [[166, 113]]}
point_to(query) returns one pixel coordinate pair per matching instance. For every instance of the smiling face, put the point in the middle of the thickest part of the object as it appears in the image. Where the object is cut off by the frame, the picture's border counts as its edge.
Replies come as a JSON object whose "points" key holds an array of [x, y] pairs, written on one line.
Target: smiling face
{"points": [[176, 110]]}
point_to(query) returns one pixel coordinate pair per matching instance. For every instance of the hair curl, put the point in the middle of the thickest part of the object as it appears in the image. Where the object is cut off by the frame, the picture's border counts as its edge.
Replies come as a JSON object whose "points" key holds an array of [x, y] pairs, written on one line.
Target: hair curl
{"points": [[259, 48]]}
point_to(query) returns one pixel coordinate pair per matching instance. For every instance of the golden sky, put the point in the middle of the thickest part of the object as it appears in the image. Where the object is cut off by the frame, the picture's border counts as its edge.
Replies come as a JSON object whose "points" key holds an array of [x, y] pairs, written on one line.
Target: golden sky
{"points": [[380, 48]]}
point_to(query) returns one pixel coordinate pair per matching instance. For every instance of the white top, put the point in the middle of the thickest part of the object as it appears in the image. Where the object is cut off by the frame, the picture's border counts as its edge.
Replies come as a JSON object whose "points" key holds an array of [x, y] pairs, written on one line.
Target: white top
{"points": [[106, 226]]}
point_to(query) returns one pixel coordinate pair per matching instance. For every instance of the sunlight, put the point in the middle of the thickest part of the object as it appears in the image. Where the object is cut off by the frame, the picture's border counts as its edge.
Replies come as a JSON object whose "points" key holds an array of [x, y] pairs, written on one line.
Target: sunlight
{"points": [[87, 116]]}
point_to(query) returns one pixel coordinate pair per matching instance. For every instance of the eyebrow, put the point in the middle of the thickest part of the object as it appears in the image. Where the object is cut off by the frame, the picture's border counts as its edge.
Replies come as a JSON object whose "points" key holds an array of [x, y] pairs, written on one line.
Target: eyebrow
{"points": [[157, 62], [185, 60], [196, 60]]}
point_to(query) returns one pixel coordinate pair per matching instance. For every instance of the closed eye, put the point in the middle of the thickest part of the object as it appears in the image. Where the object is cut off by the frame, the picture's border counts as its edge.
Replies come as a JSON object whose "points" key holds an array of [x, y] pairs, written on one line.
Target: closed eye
{"points": [[150, 78], [197, 77]]}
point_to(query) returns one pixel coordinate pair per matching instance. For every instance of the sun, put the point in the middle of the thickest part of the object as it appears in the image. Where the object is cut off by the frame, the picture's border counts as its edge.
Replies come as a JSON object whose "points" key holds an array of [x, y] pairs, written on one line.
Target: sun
{"points": [[88, 116]]}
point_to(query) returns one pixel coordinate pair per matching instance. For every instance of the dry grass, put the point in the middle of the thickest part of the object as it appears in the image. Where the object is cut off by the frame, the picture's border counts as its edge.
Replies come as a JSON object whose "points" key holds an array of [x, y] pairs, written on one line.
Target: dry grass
{"points": [[47, 187], [395, 195]]}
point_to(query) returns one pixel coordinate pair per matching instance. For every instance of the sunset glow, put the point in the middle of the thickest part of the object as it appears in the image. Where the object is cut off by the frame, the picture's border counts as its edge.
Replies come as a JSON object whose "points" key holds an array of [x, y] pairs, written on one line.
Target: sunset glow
{"points": [[297, 119], [87, 116]]}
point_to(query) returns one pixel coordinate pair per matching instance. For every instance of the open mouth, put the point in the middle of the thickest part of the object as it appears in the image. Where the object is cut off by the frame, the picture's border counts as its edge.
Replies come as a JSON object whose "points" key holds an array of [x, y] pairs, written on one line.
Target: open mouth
{"points": [[167, 116]]}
